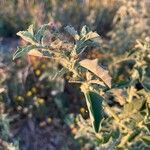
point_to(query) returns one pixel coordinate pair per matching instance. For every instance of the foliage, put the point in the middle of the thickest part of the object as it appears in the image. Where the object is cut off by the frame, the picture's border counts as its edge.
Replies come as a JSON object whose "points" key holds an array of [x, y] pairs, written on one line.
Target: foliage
{"points": [[130, 21], [118, 108], [17, 15], [5, 142]]}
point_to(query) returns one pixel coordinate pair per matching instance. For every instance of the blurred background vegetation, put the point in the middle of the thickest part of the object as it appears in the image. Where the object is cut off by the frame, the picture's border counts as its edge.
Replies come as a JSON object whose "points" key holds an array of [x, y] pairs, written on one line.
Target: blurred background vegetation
{"points": [[26, 89], [20, 14]]}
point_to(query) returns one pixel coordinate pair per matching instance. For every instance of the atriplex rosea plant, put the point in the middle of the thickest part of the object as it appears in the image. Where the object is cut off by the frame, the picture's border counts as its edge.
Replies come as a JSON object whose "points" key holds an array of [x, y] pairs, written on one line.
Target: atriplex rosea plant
{"points": [[127, 118]]}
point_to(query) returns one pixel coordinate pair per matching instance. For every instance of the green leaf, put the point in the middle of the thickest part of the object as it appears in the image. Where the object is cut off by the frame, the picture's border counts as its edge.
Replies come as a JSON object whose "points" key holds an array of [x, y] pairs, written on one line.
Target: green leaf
{"points": [[133, 106], [83, 31], [69, 119], [147, 126], [94, 103], [87, 34], [30, 29], [134, 135], [146, 82], [115, 134], [91, 35], [22, 51], [128, 108], [40, 33], [106, 138], [138, 103], [146, 94], [146, 139], [27, 36], [148, 109], [86, 39]]}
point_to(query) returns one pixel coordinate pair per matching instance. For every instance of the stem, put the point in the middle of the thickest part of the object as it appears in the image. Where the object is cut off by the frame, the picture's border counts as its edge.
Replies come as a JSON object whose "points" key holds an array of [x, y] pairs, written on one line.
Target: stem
{"points": [[124, 140], [117, 119], [111, 112]]}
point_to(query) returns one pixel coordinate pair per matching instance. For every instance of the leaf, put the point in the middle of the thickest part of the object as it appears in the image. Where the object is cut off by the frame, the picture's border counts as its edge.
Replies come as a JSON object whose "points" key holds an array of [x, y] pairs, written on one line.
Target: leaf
{"points": [[22, 51], [87, 34], [128, 108], [138, 103], [94, 104], [30, 29], [106, 138], [137, 117], [27, 36], [40, 33], [134, 135], [147, 126], [115, 133], [85, 41], [91, 35], [92, 65], [132, 109], [145, 94], [72, 32], [83, 31], [148, 109], [146, 139], [146, 83], [69, 119]]}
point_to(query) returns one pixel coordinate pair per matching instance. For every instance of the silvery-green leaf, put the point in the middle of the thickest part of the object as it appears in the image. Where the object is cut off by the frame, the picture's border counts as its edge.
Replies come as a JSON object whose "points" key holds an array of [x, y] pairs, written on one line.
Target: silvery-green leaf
{"points": [[27, 36], [22, 51], [40, 33], [30, 29], [91, 35], [72, 32], [115, 133], [83, 31], [128, 108]]}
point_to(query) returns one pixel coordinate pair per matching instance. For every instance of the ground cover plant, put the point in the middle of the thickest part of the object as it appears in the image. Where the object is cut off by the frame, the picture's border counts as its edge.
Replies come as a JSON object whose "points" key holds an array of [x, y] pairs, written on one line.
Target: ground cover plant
{"points": [[118, 108]]}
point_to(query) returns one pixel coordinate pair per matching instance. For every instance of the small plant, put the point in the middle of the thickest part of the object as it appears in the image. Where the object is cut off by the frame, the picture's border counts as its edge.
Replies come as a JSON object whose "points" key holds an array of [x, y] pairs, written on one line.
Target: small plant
{"points": [[119, 110]]}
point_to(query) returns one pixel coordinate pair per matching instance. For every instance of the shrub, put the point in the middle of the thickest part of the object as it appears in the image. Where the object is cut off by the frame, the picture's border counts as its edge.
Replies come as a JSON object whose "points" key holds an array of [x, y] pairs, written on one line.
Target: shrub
{"points": [[118, 104]]}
